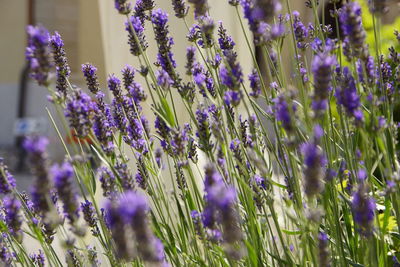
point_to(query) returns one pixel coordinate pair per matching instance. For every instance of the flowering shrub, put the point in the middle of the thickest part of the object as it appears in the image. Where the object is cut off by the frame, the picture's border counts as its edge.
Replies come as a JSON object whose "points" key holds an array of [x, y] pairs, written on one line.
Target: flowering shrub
{"points": [[301, 163]]}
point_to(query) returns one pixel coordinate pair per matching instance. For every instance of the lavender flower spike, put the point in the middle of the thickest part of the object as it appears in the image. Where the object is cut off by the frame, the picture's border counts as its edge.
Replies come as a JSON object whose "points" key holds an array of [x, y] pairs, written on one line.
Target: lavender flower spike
{"points": [[200, 7], [130, 211], [136, 37], [38, 54], [322, 69], [353, 30], [63, 181], [265, 10], [314, 161], [180, 8], [92, 82], [363, 207], [12, 208], [62, 67], [323, 250], [7, 181], [124, 7]]}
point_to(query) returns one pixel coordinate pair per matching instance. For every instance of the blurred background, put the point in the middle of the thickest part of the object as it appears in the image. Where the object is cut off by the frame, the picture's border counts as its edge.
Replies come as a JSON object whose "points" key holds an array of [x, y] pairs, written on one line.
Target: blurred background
{"points": [[93, 32]]}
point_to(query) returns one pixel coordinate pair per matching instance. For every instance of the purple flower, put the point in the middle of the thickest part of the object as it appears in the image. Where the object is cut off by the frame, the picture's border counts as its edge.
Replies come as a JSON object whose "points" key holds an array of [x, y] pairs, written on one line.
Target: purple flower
{"points": [[36, 149], [7, 181], [352, 28], [283, 112], [63, 182], [124, 7], [322, 69], [108, 182], [103, 132], [378, 6], [38, 54], [180, 8], [163, 79], [128, 76], [92, 82], [125, 176], [190, 59], [323, 250], [363, 207], [130, 211], [255, 84], [159, 18], [38, 258], [203, 80], [231, 73], [136, 37], [265, 10], [225, 41], [220, 207], [79, 110], [314, 161], [232, 98], [90, 217], [200, 7], [203, 130], [62, 67], [346, 94], [300, 31], [13, 218], [206, 32]]}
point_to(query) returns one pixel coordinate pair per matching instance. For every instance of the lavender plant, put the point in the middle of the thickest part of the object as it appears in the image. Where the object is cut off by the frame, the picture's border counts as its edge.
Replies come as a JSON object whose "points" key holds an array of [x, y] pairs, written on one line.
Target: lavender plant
{"points": [[294, 165]]}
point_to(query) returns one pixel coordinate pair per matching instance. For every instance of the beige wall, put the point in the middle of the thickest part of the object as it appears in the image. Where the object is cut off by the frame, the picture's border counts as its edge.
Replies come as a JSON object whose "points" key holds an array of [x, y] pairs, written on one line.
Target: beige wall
{"points": [[12, 41]]}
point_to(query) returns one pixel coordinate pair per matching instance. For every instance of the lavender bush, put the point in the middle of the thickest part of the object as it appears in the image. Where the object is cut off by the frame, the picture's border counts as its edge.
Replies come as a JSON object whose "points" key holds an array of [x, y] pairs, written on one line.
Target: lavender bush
{"points": [[294, 166]]}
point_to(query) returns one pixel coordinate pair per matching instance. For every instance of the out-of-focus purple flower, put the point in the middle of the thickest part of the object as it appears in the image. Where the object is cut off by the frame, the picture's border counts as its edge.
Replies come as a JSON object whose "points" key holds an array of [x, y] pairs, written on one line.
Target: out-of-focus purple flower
{"points": [[6, 257], [363, 207], [43, 205], [255, 84], [190, 59], [220, 207], [231, 73], [232, 98], [7, 181], [130, 211], [63, 182], [283, 112], [180, 8], [124, 7], [200, 7], [62, 67], [13, 218], [207, 30], [265, 10], [136, 37], [92, 257], [323, 250], [79, 110], [353, 30], [314, 161], [346, 94], [322, 69], [38, 259], [163, 79], [38, 54], [378, 6]]}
